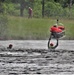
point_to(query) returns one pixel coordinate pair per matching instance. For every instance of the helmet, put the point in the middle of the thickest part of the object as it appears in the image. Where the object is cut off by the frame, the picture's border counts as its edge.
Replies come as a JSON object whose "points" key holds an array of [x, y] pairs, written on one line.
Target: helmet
{"points": [[51, 44], [55, 25], [10, 46]]}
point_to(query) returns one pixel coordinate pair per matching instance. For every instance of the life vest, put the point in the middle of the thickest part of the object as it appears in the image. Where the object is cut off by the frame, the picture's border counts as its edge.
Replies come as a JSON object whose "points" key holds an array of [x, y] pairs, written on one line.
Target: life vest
{"points": [[55, 29], [61, 27]]}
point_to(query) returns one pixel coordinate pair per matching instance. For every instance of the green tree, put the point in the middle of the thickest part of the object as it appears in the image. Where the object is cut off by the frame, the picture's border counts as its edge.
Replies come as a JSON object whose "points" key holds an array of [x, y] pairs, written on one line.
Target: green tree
{"points": [[1, 6], [52, 9], [2, 0], [43, 3], [22, 5], [37, 8]]}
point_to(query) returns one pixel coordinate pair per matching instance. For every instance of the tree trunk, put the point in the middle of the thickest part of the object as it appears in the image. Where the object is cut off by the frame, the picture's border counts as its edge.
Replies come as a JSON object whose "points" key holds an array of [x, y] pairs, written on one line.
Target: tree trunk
{"points": [[70, 5], [42, 8], [1, 8], [22, 5]]}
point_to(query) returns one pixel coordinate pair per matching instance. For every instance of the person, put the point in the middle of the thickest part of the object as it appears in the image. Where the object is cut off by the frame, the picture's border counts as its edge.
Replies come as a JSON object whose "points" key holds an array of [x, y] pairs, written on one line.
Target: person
{"points": [[52, 45], [30, 12], [57, 31], [55, 28], [10, 46]]}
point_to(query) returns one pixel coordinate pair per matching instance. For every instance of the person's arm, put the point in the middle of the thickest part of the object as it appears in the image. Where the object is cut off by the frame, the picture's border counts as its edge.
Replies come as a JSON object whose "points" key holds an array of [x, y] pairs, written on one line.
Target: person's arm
{"points": [[61, 27], [55, 45]]}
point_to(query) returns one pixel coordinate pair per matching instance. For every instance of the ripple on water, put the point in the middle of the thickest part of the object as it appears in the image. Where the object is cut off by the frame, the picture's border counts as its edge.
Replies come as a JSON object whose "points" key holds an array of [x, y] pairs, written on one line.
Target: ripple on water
{"points": [[36, 62]]}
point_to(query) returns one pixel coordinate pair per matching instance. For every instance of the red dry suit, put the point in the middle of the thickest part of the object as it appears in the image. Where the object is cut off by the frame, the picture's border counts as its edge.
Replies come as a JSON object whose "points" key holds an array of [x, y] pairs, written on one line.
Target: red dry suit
{"points": [[55, 29]]}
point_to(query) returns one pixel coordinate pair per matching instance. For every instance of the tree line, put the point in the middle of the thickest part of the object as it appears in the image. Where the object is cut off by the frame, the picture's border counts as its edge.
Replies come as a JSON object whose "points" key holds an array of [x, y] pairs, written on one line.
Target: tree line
{"points": [[41, 8]]}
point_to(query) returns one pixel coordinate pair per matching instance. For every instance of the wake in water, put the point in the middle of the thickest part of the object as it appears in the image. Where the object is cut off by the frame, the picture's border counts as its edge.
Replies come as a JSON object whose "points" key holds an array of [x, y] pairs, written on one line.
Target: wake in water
{"points": [[33, 57]]}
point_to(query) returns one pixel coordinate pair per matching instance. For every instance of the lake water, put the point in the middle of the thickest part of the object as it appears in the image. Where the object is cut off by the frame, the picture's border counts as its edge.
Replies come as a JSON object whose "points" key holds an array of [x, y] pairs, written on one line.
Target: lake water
{"points": [[32, 57]]}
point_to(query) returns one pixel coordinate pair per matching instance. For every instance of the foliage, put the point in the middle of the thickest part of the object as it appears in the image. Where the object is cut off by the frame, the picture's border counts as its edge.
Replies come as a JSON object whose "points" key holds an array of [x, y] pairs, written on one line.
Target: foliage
{"points": [[37, 9], [52, 8]]}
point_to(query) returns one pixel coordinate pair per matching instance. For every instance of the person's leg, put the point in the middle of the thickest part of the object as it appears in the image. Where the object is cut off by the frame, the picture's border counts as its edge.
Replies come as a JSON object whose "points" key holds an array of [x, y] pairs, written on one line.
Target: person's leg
{"points": [[60, 34], [54, 35]]}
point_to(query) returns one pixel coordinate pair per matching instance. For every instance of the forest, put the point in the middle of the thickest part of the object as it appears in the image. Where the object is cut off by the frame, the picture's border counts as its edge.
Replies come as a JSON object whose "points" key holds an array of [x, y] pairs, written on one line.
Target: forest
{"points": [[41, 8], [15, 24]]}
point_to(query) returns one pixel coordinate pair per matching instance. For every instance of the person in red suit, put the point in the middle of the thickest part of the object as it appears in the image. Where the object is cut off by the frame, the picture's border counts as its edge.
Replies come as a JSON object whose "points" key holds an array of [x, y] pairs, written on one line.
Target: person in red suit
{"points": [[30, 12], [56, 31]]}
